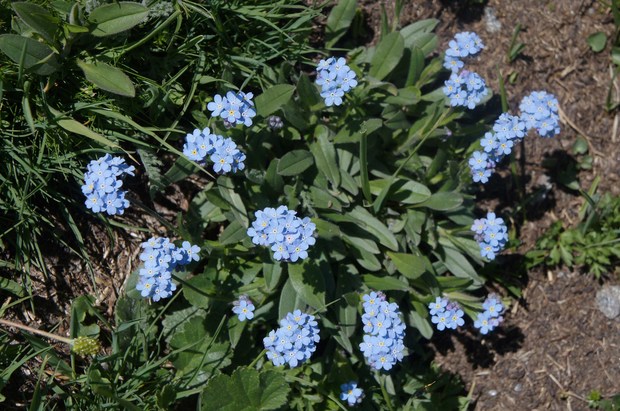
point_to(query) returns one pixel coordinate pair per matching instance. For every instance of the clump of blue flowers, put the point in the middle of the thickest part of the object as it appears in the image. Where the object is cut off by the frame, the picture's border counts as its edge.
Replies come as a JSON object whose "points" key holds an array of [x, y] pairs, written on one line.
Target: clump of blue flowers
{"points": [[234, 108], [102, 183], [491, 234], [539, 110], [464, 88], [446, 314], [243, 308], [491, 316], [384, 332], [288, 236], [294, 342], [463, 45], [161, 257], [335, 79], [351, 393], [222, 151]]}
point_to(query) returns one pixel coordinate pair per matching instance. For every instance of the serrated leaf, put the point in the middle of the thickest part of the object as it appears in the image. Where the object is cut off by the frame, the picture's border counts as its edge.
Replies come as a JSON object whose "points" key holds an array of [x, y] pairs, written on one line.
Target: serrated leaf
{"points": [[339, 20], [307, 280], [38, 18], [245, 390], [108, 78], [325, 156], [273, 98], [36, 56], [387, 55], [409, 265], [294, 162], [115, 18]]}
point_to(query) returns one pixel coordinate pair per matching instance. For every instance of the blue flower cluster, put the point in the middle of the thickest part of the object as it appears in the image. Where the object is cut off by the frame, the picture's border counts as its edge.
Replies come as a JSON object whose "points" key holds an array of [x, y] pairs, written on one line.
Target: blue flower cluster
{"points": [[539, 110], [222, 151], [463, 88], [102, 185], [351, 393], [446, 314], [234, 108], [294, 342], [384, 332], [491, 317], [335, 79], [508, 130], [288, 235], [160, 258], [491, 234], [244, 308], [463, 45]]}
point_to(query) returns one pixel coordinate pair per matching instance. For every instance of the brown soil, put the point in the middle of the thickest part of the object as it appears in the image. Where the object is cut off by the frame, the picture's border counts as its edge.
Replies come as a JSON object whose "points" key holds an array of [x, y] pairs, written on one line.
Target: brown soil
{"points": [[555, 347]]}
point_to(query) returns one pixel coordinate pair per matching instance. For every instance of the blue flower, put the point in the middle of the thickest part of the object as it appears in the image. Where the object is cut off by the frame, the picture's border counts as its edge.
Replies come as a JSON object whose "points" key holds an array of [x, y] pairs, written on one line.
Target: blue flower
{"points": [[438, 306], [102, 185], [235, 108], [244, 308], [539, 110], [351, 393], [222, 151], [294, 342], [161, 257], [335, 78]]}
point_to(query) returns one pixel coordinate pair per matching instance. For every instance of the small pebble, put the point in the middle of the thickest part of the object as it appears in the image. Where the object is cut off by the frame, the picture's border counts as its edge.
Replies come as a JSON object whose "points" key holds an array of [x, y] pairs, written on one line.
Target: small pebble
{"points": [[608, 301], [493, 25], [492, 393], [518, 387]]}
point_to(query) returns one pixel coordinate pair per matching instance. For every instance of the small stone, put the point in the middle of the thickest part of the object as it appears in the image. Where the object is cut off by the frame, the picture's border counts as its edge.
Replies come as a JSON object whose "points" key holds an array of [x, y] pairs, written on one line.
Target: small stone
{"points": [[608, 301], [518, 387], [493, 25], [492, 393]]}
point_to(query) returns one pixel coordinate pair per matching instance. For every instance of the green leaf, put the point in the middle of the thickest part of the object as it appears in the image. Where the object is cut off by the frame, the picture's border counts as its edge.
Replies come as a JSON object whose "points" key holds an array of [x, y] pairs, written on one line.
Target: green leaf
{"points": [[290, 300], [36, 56], [325, 156], [420, 322], [245, 390], [38, 18], [597, 41], [426, 42], [108, 78], [76, 127], [421, 26], [273, 98], [384, 283], [387, 55], [401, 190], [339, 20], [459, 265], [368, 222], [197, 289], [234, 233], [308, 281], [443, 201], [115, 18], [272, 274], [409, 265], [294, 162]]}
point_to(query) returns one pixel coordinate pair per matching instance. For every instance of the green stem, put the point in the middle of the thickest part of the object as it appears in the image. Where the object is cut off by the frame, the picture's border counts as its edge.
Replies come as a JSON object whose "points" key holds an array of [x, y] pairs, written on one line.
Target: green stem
{"points": [[258, 357], [386, 396]]}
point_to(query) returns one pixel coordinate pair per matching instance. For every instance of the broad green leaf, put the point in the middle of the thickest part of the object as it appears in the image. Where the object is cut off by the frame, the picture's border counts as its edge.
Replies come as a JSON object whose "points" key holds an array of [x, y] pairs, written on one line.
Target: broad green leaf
{"points": [[76, 127], [426, 42], [36, 55], [325, 156], [180, 170], [197, 290], [290, 300], [227, 190], [364, 244], [38, 18], [597, 41], [245, 390], [443, 201], [421, 26], [294, 162], [409, 265], [420, 322], [401, 190], [339, 20], [307, 280], [384, 283], [308, 93], [388, 54], [117, 17], [11, 286], [371, 224], [234, 233], [273, 98], [108, 78], [175, 321], [322, 199], [198, 348], [347, 313], [459, 265], [272, 274]]}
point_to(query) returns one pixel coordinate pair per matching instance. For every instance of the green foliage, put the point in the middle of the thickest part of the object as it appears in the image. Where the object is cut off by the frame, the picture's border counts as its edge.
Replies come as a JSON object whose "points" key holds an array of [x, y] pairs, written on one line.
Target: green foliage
{"points": [[596, 401], [592, 244]]}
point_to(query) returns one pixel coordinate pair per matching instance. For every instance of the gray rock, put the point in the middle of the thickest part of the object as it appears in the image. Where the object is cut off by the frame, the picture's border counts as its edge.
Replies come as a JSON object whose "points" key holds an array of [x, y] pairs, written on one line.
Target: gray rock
{"points": [[608, 301], [492, 23]]}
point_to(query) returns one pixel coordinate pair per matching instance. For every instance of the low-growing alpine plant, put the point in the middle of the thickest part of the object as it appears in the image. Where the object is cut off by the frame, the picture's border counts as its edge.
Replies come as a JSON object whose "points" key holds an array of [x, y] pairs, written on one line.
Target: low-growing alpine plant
{"points": [[339, 210]]}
